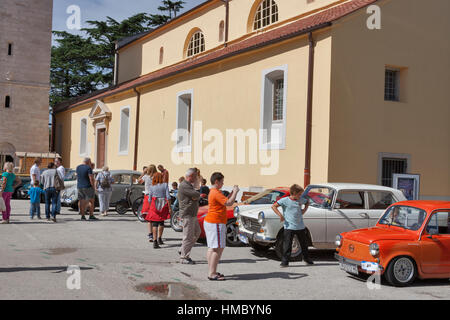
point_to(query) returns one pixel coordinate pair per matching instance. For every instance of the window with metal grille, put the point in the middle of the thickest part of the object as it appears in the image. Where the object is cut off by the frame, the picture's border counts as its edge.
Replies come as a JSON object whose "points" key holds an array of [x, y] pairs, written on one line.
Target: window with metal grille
{"points": [[278, 95], [391, 166], [7, 102], [266, 14], [391, 83], [196, 44]]}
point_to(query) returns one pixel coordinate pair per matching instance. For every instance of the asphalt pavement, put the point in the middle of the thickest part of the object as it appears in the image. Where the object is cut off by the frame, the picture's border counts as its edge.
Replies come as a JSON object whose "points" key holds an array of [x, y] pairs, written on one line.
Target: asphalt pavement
{"points": [[112, 259]]}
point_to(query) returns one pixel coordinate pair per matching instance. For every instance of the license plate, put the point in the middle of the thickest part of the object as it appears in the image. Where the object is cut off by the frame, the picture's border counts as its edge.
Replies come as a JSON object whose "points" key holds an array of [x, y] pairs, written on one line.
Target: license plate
{"points": [[243, 238], [349, 268], [370, 266]]}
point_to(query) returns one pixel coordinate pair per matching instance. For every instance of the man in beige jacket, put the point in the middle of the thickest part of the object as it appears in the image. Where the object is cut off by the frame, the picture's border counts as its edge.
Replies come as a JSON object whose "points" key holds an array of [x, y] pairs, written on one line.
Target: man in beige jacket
{"points": [[188, 201]]}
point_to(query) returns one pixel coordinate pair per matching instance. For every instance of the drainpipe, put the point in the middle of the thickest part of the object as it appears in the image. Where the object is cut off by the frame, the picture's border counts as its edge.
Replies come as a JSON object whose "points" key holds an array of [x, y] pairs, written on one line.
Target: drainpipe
{"points": [[53, 132], [307, 174], [116, 64], [136, 134], [227, 19]]}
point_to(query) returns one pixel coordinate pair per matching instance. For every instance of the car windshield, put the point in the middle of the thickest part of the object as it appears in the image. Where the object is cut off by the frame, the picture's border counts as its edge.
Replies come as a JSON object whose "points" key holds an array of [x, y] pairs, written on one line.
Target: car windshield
{"points": [[319, 197], [404, 217], [268, 196]]}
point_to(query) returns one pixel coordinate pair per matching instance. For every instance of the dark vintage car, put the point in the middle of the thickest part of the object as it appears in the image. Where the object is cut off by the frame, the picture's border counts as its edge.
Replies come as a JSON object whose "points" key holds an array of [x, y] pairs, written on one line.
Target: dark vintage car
{"points": [[125, 191]]}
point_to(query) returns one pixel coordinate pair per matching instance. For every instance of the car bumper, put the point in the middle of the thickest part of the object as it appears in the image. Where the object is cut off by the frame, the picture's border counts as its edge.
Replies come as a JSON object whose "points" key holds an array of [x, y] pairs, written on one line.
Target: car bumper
{"points": [[362, 266], [257, 237]]}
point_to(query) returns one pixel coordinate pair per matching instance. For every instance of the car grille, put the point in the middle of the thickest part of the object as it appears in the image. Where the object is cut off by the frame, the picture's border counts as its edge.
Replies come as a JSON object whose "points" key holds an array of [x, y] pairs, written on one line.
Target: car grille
{"points": [[250, 224]]}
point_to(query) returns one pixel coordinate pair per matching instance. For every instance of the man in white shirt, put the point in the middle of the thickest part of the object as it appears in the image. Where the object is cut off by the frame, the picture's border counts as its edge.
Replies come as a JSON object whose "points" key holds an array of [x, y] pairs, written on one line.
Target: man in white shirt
{"points": [[35, 171], [61, 173]]}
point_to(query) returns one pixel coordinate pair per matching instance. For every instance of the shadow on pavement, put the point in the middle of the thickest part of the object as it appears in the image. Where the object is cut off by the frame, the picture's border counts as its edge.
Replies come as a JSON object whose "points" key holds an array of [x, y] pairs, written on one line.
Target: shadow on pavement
{"points": [[262, 276], [57, 269]]}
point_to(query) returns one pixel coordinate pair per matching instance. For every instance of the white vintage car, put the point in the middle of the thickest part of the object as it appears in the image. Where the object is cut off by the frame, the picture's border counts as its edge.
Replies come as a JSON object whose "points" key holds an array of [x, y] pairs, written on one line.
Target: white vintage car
{"points": [[333, 208]]}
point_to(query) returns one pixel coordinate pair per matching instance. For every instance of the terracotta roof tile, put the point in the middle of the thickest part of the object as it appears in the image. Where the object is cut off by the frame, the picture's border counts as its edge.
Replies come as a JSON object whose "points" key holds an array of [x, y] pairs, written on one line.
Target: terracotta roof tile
{"points": [[293, 29]]}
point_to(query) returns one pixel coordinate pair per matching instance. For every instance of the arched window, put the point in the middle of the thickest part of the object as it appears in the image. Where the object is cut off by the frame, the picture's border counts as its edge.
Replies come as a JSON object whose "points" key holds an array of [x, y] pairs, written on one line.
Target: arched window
{"points": [[266, 14], [196, 44], [161, 55], [221, 31]]}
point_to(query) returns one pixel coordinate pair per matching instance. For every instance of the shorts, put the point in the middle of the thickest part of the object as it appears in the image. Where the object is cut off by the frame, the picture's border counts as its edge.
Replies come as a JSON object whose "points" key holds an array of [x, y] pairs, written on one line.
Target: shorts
{"points": [[157, 223], [86, 193], [215, 234]]}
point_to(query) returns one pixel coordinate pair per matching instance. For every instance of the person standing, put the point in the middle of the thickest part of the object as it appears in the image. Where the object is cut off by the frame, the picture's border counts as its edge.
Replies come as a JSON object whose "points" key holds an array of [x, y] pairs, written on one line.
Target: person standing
{"points": [[188, 202], [293, 223], [85, 186], [204, 188], [9, 182], [104, 190], [48, 181], [61, 173], [147, 179], [159, 208], [35, 200], [165, 173], [215, 223], [35, 171]]}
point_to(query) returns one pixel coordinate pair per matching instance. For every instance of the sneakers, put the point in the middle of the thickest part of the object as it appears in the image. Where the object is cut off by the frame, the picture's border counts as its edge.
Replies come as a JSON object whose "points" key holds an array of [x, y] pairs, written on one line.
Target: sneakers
{"points": [[5, 222], [156, 245], [92, 218], [39, 217], [150, 237], [160, 241], [309, 261], [284, 265], [187, 261], [83, 218], [54, 220]]}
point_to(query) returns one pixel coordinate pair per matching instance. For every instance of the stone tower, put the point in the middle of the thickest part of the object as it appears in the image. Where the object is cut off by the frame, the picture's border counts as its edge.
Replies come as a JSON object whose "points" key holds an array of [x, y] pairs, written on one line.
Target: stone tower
{"points": [[25, 50]]}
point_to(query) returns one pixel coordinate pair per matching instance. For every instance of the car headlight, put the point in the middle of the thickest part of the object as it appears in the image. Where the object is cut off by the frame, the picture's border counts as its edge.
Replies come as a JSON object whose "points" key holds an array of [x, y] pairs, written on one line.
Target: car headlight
{"points": [[236, 212], [338, 241], [261, 218], [374, 249]]}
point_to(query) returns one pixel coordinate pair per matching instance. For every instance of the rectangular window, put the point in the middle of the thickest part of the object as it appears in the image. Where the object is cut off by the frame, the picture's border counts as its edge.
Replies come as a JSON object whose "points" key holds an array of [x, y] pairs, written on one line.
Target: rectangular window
{"points": [[83, 137], [389, 167], [7, 102], [350, 199], [273, 108], [278, 96], [9, 49], [380, 200], [391, 85], [124, 130], [184, 121]]}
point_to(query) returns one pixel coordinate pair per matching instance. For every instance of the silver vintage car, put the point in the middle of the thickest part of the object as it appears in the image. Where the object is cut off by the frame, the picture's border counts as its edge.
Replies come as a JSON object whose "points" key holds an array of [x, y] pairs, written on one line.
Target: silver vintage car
{"points": [[125, 186], [334, 208]]}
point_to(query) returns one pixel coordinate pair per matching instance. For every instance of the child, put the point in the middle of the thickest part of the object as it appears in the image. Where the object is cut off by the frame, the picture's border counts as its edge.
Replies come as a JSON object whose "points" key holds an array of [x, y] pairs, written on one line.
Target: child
{"points": [[293, 223], [35, 199]]}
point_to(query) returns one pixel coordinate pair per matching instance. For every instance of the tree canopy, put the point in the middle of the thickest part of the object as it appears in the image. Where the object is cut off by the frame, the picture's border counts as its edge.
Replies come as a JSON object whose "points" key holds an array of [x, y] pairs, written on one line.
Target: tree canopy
{"points": [[82, 64]]}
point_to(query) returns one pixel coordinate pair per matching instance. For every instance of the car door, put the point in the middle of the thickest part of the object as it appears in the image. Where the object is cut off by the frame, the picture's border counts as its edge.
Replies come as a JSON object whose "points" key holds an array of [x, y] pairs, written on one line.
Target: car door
{"points": [[320, 199], [378, 202], [435, 244], [121, 182], [348, 213]]}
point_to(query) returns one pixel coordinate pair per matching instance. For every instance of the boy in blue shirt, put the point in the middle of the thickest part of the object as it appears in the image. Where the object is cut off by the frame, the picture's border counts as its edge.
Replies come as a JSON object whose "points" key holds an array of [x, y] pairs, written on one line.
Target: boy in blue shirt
{"points": [[35, 199], [293, 223]]}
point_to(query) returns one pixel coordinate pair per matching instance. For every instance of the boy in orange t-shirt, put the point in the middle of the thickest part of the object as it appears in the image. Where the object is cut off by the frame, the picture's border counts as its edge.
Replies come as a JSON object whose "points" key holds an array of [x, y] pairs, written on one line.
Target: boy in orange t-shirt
{"points": [[215, 223]]}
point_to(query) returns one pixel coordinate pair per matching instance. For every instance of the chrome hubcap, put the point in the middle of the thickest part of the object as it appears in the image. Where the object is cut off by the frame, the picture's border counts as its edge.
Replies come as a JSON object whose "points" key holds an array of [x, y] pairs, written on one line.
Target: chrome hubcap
{"points": [[232, 233], [296, 248], [403, 270]]}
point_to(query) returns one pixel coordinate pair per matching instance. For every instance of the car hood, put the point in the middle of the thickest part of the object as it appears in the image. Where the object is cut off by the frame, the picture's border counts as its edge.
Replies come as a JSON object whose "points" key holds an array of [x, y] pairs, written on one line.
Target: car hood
{"points": [[256, 209], [253, 207], [377, 233]]}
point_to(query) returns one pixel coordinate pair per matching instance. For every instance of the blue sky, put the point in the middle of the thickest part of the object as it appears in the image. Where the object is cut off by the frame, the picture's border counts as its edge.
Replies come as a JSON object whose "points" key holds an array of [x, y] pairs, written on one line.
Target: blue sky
{"points": [[100, 9]]}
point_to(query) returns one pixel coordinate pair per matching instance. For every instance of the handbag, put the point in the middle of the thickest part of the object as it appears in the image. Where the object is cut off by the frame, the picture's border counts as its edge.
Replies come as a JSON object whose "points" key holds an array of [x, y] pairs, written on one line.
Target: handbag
{"points": [[59, 183]]}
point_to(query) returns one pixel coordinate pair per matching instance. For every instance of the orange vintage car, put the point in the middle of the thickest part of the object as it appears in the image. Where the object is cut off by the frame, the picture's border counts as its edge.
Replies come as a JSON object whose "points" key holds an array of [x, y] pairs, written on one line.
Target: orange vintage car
{"points": [[411, 239]]}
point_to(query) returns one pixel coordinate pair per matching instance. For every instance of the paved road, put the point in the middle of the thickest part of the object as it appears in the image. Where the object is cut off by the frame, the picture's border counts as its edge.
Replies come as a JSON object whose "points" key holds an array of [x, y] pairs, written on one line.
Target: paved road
{"points": [[117, 262]]}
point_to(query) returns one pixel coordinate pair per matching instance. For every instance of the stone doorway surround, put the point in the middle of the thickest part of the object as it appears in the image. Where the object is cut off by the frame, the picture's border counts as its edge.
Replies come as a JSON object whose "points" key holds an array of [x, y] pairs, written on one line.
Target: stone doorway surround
{"points": [[101, 117]]}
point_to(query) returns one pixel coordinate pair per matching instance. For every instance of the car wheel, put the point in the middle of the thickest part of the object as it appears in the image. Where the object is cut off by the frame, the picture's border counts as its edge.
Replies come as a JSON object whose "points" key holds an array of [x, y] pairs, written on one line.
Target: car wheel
{"points": [[176, 222], [121, 208], [258, 247], [401, 271], [137, 209], [296, 252], [232, 232]]}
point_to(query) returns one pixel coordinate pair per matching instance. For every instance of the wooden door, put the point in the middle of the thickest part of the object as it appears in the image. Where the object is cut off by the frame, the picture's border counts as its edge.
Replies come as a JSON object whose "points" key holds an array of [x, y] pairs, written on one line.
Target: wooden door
{"points": [[101, 147]]}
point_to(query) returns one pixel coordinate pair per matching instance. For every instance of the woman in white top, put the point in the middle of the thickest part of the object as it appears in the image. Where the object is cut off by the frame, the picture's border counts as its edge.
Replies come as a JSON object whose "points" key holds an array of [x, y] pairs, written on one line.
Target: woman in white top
{"points": [[103, 183]]}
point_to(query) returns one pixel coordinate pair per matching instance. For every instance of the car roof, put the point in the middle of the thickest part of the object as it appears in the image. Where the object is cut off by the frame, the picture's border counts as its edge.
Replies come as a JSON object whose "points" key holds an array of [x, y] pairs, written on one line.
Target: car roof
{"points": [[427, 205], [124, 172], [341, 186]]}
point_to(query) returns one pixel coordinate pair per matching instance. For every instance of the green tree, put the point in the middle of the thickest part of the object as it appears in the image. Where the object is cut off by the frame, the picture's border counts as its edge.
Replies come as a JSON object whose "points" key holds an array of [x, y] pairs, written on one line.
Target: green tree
{"points": [[172, 7]]}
